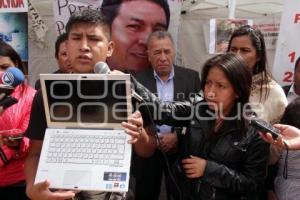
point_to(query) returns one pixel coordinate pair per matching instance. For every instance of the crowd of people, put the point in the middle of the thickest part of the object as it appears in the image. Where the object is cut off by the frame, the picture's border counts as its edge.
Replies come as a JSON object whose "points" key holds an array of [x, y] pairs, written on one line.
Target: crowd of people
{"points": [[196, 131]]}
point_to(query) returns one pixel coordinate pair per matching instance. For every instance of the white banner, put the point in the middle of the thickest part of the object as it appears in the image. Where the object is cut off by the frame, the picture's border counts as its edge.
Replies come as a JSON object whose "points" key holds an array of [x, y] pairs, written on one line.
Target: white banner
{"points": [[14, 25], [13, 6], [288, 44], [270, 30], [175, 9], [64, 8], [39, 27]]}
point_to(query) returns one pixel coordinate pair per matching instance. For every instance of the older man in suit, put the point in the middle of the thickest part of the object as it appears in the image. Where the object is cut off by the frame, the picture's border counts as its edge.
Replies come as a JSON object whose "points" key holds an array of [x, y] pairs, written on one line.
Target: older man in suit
{"points": [[170, 83]]}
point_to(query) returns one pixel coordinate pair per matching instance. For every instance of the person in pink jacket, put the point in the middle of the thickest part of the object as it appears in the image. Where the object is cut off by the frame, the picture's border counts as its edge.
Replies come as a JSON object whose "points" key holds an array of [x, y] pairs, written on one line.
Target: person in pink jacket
{"points": [[13, 122]]}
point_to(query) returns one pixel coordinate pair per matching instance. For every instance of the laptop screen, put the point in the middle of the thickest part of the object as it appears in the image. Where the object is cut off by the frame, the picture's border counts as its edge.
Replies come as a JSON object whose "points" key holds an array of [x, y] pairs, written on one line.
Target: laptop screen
{"points": [[87, 101]]}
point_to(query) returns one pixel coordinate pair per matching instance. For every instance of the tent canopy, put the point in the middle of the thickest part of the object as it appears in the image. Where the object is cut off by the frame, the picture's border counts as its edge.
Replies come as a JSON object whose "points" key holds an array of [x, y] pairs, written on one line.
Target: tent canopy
{"points": [[193, 36], [243, 7]]}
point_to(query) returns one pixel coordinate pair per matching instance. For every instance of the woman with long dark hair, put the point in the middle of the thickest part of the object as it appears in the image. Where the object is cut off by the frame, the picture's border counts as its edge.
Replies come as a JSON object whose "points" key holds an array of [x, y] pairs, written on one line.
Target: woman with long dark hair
{"points": [[221, 156], [267, 97], [14, 120]]}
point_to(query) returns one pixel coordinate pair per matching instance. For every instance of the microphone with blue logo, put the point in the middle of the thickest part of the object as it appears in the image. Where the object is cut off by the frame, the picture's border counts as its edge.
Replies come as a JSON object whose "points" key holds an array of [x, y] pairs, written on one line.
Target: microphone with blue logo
{"points": [[9, 80], [12, 76]]}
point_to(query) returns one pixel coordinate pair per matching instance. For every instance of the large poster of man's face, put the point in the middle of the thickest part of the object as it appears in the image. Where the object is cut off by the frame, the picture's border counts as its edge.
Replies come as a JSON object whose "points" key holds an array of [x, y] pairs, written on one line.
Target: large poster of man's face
{"points": [[131, 22]]}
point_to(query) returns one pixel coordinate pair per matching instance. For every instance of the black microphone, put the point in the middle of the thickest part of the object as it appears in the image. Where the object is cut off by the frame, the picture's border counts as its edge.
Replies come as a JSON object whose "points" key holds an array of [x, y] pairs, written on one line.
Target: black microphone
{"points": [[102, 68]]}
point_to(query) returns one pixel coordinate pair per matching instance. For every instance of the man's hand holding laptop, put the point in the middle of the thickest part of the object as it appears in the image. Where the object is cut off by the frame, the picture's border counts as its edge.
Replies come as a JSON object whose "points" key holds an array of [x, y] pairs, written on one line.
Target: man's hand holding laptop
{"points": [[41, 191], [143, 139], [134, 128]]}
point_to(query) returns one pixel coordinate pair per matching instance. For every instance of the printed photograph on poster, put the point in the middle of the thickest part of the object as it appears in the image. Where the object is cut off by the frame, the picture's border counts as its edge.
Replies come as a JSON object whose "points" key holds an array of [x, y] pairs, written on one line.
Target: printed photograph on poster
{"points": [[14, 31], [130, 26], [270, 30], [14, 27], [220, 32]]}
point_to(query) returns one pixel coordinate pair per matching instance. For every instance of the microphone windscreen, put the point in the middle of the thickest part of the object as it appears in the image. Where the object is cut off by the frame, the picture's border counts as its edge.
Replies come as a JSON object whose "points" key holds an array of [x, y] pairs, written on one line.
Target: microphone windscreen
{"points": [[101, 68], [12, 77]]}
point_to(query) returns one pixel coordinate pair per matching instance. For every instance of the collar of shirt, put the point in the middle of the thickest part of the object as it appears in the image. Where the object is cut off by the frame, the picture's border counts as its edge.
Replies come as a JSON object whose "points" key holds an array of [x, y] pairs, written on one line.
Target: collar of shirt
{"points": [[171, 75], [165, 90], [292, 94]]}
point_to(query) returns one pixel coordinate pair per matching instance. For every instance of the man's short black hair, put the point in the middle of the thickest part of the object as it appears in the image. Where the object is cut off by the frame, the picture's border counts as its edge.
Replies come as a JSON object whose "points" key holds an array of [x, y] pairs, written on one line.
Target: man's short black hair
{"points": [[89, 16], [110, 8], [297, 63], [291, 115], [60, 39]]}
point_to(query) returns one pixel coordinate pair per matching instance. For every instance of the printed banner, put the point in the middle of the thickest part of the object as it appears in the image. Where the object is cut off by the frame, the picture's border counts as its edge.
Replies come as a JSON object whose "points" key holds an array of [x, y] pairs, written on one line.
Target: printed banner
{"points": [[14, 22], [13, 6], [135, 22], [64, 8], [39, 27], [288, 48], [270, 30], [220, 32]]}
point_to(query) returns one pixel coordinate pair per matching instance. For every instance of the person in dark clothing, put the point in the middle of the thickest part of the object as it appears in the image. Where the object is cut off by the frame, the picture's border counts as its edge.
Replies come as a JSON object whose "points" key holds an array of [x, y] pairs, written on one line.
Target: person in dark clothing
{"points": [[293, 91], [221, 157], [88, 43], [169, 82]]}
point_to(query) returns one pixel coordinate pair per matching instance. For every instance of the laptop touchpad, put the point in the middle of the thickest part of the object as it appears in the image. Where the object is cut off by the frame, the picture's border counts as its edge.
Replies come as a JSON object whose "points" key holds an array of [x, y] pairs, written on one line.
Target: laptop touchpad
{"points": [[77, 178]]}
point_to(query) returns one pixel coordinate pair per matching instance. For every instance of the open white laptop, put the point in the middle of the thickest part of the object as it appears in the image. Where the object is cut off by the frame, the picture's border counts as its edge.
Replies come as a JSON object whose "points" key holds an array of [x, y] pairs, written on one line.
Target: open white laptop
{"points": [[85, 147]]}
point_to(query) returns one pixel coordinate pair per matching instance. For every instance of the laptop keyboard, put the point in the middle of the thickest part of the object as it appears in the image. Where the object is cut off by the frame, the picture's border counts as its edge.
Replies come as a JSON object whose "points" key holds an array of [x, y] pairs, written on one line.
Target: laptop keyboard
{"points": [[86, 149]]}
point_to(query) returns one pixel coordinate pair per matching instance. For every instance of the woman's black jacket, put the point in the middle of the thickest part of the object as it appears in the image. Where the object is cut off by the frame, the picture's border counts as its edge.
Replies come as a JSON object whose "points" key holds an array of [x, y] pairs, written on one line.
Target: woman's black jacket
{"points": [[236, 156]]}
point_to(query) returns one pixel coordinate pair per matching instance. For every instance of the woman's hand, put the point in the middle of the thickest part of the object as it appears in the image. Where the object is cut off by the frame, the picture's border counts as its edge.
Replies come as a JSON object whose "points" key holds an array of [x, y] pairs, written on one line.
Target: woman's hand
{"points": [[194, 166], [11, 143], [289, 135], [134, 127]]}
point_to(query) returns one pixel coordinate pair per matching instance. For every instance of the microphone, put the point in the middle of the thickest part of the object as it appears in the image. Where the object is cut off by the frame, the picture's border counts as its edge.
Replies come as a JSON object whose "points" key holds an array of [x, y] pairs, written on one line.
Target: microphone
{"points": [[12, 76], [9, 79], [102, 68]]}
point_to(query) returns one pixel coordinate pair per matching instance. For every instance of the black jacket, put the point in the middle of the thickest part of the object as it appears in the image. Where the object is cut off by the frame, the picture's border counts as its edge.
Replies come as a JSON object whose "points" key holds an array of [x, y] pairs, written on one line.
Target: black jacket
{"points": [[236, 157]]}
